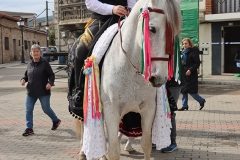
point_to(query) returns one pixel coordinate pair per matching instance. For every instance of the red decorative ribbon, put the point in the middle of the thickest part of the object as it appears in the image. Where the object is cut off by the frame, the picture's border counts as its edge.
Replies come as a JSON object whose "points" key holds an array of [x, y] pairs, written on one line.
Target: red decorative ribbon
{"points": [[147, 50], [169, 50]]}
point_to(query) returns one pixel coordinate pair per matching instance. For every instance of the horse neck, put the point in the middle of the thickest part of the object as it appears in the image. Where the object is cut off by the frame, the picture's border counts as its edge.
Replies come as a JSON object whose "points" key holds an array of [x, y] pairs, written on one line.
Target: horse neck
{"points": [[131, 35]]}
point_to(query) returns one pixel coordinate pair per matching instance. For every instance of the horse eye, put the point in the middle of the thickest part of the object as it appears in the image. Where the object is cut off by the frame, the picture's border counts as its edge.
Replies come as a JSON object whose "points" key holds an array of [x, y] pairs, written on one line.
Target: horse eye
{"points": [[152, 29]]}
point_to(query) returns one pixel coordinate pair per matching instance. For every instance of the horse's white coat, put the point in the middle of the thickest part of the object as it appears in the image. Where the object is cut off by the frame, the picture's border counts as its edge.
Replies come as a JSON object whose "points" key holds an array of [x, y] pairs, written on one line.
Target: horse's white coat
{"points": [[122, 90]]}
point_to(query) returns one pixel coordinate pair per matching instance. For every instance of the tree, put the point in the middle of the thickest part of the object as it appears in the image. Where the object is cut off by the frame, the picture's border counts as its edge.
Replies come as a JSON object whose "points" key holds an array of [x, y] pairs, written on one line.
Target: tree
{"points": [[52, 37]]}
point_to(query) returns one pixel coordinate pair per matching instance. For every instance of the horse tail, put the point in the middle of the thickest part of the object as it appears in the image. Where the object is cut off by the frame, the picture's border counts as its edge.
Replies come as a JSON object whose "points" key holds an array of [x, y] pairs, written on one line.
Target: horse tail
{"points": [[79, 129]]}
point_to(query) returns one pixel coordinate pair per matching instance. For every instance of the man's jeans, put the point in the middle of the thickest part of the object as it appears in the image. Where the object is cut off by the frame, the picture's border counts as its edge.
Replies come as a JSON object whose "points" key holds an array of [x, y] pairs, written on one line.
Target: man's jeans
{"points": [[45, 103], [196, 96]]}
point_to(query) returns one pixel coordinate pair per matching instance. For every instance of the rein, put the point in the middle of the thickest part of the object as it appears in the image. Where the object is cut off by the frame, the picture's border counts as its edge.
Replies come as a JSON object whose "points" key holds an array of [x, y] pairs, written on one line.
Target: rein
{"points": [[169, 38], [120, 33]]}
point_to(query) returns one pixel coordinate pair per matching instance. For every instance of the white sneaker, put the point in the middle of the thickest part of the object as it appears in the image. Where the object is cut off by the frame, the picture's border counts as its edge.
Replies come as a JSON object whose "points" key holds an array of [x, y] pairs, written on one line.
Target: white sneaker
{"points": [[129, 148]]}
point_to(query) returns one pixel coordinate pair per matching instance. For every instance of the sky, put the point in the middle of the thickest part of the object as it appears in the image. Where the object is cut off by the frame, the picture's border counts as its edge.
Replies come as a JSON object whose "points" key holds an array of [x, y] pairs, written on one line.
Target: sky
{"points": [[29, 6]]}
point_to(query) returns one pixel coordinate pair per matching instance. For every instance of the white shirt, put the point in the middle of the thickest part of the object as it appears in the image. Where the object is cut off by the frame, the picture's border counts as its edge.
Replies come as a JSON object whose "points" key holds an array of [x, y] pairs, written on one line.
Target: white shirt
{"points": [[103, 8]]}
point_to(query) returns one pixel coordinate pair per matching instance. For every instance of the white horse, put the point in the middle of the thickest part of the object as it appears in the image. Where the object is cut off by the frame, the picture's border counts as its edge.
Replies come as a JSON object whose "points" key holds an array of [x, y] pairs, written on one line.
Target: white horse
{"points": [[122, 90]]}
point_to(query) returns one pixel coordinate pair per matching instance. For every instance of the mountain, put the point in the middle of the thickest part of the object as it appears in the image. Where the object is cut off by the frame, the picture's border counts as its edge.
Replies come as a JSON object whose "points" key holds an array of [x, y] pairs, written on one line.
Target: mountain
{"points": [[41, 19]]}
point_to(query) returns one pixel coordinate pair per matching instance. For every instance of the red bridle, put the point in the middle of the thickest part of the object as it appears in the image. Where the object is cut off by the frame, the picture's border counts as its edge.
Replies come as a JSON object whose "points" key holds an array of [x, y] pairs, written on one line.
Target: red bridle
{"points": [[169, 40]]}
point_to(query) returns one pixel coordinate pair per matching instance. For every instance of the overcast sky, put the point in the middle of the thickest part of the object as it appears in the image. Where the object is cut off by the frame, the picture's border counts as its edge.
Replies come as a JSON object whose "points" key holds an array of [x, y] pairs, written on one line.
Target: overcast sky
{"points": [[30, 6]]}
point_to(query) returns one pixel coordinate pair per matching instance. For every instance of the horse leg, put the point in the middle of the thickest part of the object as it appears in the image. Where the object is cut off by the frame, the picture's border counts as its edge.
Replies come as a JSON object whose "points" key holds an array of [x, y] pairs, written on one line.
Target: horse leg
{"points": [[79, 135], [147, 116], [112, 120]]}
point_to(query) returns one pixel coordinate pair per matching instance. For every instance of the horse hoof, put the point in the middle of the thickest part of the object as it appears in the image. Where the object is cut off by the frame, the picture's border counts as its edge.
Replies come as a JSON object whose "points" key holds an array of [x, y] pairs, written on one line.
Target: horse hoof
{"points": [[103, 158], [82, 157]]}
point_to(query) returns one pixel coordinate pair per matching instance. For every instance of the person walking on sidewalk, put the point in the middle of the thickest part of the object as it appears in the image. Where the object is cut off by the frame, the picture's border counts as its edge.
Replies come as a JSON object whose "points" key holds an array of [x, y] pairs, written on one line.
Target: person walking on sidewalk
{"points": [[190, 62], [40, 78]]}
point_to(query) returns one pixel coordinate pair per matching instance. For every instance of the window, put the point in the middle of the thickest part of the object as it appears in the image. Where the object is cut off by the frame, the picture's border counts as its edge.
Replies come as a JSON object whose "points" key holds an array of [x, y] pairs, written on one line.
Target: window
{"points": [[19, 43], [25, 45], [6, 43]]}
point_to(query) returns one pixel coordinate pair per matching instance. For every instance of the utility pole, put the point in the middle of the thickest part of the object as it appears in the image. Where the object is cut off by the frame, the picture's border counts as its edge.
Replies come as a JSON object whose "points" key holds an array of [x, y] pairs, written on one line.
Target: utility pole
{"points": [[47, 26]]}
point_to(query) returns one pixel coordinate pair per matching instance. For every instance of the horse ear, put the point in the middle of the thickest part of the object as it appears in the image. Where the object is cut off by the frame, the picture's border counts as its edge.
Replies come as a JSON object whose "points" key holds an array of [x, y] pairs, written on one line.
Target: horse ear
{"points": [[179, 1]]}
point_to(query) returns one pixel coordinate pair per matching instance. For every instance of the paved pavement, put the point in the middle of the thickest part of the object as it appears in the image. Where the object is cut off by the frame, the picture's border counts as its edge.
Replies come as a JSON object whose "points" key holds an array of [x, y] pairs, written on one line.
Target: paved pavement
{"points": [[210, 134]]}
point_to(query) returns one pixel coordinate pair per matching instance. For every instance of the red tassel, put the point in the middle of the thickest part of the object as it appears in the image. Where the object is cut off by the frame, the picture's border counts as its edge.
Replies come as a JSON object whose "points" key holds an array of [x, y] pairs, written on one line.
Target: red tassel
{"points": [[169, 40]]}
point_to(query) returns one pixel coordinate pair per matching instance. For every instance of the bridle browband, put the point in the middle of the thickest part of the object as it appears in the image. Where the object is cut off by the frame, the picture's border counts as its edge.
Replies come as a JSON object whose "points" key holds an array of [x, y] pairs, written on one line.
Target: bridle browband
{"points": [[150, 9]]}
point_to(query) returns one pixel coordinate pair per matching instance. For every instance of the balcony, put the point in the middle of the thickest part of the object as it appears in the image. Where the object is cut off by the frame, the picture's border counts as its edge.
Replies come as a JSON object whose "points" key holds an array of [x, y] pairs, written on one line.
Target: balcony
{"points": [[227, 6], [224, 10], [73, 13]]}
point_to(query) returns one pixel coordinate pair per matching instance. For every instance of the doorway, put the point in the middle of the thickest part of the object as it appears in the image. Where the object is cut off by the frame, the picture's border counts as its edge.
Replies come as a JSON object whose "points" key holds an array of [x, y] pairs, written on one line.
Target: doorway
{"points": [[14, 50], [231, 34]]}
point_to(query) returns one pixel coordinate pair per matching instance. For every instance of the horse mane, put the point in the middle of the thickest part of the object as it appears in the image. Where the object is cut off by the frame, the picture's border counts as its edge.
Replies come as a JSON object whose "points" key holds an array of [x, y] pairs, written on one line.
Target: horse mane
{"points": [[174, 15]]}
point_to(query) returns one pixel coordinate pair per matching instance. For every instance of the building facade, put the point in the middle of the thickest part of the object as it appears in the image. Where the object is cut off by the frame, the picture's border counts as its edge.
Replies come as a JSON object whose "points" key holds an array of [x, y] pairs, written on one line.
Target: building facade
{"points": [[219, 30], [11, 38], [71, 17], [218, 23]]}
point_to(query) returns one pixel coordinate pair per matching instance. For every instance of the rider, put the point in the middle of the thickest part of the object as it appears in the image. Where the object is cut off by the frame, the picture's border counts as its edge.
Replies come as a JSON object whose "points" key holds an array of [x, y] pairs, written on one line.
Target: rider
{"points": [[105, 13]]}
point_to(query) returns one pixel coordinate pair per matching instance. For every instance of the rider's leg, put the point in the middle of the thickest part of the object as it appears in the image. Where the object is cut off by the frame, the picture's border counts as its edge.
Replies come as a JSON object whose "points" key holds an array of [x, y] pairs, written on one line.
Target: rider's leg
{"points": [[82, 47]]}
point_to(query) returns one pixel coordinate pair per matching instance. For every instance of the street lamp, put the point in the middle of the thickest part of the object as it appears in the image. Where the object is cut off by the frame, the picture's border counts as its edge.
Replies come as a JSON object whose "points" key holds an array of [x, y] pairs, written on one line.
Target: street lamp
{"points": [[47, 28], [21, 24]]}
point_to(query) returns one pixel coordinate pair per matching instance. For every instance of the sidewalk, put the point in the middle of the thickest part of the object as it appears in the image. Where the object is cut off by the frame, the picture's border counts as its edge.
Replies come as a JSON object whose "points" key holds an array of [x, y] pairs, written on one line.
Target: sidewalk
{"points": [[226, 79], [210, 134]]}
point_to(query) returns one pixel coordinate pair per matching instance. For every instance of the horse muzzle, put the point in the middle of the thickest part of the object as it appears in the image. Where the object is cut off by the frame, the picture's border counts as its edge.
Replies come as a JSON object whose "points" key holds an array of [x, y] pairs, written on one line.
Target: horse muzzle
{"points": [[157, 81]]}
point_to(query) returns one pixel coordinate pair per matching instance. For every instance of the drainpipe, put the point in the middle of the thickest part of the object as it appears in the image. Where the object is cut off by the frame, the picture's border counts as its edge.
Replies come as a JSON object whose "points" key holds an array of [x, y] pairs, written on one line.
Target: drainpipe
{"points": [[58, 31]]}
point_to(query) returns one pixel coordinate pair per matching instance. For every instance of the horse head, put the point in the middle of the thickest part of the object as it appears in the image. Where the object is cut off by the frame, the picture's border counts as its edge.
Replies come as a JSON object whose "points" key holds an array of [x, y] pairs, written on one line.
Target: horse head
{"points": [[163, 24]]}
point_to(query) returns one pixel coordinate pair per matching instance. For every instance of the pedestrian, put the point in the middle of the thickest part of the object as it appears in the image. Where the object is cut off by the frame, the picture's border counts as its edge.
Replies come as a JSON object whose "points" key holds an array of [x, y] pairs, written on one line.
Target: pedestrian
{"points": [[190, 62], [173, 87], [237, 60], [40, 78]]}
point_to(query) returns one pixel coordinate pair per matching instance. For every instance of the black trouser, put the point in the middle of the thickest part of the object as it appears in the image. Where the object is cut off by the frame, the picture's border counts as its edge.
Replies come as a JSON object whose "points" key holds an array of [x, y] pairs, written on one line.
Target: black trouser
{"points": [[175, 91], [82, 48]]}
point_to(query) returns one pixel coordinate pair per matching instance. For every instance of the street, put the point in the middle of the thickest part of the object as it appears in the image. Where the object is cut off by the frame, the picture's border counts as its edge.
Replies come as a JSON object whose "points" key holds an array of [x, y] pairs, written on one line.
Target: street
{"points": [[210, 134]]}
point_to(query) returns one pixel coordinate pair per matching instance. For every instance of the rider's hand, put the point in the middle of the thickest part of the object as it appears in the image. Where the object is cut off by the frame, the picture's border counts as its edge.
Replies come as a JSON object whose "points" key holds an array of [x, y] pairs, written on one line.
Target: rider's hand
{"points": [[22, 82], [119, 10]]}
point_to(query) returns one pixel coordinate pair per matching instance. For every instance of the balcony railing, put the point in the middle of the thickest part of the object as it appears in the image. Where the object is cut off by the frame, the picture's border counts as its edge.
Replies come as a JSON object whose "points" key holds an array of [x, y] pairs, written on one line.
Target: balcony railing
{"points": [[227, 6], [74, 11]]}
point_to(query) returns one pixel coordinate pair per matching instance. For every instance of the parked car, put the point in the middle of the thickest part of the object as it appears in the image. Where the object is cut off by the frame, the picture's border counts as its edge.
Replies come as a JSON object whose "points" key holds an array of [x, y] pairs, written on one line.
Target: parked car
{"points": [[47, 50], [53, 49]]}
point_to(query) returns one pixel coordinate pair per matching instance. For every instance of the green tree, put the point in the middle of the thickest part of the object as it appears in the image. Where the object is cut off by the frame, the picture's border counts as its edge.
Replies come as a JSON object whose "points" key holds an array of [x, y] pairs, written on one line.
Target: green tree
{"points": [[52, 37]]}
